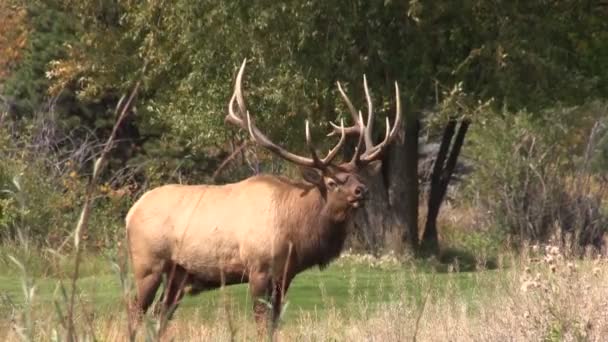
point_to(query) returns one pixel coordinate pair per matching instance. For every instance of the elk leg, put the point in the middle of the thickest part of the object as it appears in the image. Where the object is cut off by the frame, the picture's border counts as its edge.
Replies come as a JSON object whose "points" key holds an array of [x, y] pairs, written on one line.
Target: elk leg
{"points": [[259, 286], [279, 289], [177, 279], [146, 289]]}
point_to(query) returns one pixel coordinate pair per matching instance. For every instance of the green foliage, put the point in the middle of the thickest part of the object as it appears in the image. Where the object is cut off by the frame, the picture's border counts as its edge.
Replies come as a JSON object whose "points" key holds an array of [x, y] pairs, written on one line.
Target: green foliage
{"points": [[9, 213], [520, 54], [13, 36], [600, 161], [484, 246], [534, 174], [32, 207], [51, 31], [516, 68], [41, 196]]}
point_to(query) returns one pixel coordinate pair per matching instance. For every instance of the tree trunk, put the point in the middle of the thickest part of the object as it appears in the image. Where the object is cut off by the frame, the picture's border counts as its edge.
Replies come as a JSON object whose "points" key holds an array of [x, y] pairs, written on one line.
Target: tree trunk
{"points": [[430, 238], [409, 196], [440, 178], [380, 223], [377, 218]]}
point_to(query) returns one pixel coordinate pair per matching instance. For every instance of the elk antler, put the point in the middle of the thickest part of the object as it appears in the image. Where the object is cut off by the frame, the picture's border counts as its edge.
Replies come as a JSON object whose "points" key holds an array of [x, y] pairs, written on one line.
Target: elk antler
{"points": [[242, 119], [365, 130]]}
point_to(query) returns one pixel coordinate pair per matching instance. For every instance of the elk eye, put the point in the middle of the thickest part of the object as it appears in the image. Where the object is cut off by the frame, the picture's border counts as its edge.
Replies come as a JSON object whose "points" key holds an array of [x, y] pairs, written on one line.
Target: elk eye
{"points": [[331, 184]]}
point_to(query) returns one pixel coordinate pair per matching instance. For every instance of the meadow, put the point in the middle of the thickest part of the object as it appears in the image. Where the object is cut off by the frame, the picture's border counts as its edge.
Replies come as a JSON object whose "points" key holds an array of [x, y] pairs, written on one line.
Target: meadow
{"points": [[542, 295]]}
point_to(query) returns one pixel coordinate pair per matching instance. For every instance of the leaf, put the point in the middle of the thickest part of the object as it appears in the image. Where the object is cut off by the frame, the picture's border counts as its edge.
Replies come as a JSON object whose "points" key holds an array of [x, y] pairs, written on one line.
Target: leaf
{"points": [[17, 181], [17, 262]]}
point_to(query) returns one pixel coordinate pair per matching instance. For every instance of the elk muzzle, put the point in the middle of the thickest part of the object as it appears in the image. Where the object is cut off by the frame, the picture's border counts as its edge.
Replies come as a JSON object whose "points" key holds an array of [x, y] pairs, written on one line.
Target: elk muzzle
{"points": [[359, 196]]}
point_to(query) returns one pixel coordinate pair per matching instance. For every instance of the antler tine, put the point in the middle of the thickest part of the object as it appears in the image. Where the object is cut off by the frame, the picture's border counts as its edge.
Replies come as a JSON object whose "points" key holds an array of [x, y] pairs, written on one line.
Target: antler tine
{"points": [[376, 151], [359, 126], [334, 151], [242, 119], [250, 127], [365, 129], [349, 104], [370, 116], [359, 148], [397, 122], [311, 147], [356, 128], [240, 100], [254, 132], [232, 117]]}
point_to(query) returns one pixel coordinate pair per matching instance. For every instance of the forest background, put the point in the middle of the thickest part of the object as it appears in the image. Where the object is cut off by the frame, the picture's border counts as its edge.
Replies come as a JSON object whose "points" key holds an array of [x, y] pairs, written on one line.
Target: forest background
{"points": [[528, 79]]}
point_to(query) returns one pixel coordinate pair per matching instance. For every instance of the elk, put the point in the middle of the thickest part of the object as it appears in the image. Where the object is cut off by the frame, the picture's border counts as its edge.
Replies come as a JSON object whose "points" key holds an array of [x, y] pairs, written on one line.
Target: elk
{"points": [[263, 230]]}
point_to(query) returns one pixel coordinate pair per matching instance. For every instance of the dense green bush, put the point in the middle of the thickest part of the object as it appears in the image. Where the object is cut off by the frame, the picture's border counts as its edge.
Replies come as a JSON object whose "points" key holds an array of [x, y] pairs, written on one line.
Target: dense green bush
{"points": [[41, 196], [51, 30], [533, 175]]}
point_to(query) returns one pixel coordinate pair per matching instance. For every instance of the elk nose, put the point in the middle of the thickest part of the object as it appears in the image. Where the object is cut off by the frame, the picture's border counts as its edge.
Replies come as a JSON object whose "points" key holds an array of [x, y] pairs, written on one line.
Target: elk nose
{"points": [[360, 191]]}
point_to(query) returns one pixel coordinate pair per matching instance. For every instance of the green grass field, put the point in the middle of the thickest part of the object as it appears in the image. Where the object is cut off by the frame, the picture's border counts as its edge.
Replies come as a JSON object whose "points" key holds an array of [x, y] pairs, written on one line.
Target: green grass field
{"points": [[338, 287], [350, 300]]}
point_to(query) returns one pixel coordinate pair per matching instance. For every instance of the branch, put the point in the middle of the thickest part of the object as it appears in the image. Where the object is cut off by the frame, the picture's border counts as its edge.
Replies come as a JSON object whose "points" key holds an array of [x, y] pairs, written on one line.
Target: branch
{"points": [[228, 160]]}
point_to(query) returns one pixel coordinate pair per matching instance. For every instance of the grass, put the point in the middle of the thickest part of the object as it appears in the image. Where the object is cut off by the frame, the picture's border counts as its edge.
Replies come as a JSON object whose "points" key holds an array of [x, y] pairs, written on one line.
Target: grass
{"points": [[540, 297], [338, 284], [313, 293]]}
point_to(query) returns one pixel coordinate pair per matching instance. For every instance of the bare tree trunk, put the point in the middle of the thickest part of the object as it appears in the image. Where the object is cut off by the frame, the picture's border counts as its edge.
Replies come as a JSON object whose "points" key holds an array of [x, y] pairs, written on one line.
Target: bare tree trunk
{"points": [[386, 220], [409, 197], [430, 238], [396, 165], [378, 218], [440, 178]]}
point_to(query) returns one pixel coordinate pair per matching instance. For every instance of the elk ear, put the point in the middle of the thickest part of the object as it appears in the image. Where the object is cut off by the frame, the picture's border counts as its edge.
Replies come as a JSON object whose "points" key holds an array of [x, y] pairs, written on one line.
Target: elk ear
{"points": [[374, 167], [311, 175]]}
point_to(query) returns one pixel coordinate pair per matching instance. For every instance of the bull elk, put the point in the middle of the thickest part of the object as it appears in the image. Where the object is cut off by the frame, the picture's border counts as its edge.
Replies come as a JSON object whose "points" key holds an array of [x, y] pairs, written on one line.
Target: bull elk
{"points": [[263, 230]]}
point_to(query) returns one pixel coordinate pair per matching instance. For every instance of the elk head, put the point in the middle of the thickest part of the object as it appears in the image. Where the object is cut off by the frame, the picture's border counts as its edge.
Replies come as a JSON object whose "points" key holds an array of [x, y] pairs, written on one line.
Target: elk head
{"points": [[341, 184]]}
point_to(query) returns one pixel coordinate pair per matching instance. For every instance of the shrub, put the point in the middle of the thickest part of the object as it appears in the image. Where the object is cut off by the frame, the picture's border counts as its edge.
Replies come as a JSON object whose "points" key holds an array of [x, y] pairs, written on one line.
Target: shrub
{"points": [[41, 191], [533, 177]]}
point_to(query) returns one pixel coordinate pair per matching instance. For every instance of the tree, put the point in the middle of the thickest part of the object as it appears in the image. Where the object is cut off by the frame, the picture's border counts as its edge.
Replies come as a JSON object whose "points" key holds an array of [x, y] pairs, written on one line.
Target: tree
{"points": [[38, 43], [411, 194], [443, 168], [13, 37], [517, 53]]}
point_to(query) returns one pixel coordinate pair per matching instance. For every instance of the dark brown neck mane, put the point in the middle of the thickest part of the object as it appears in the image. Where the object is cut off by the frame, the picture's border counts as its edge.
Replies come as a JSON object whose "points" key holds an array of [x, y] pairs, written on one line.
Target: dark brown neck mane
{"points": [[317, 228]]}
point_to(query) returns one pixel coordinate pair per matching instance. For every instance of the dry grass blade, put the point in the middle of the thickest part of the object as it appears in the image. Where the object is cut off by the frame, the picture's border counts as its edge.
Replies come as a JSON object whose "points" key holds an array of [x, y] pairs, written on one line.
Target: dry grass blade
{"points": [[81, 227]]}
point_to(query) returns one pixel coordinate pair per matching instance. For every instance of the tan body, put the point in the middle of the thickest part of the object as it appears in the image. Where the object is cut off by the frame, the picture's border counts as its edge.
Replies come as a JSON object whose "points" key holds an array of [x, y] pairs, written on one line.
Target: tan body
{"points": [[194, 236], [263, 230], [197, 228]]}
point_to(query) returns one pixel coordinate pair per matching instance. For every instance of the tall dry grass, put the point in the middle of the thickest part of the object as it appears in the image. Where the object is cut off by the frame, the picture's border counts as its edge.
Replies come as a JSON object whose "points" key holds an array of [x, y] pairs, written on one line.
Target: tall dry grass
{"points": [[543, 296]]}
